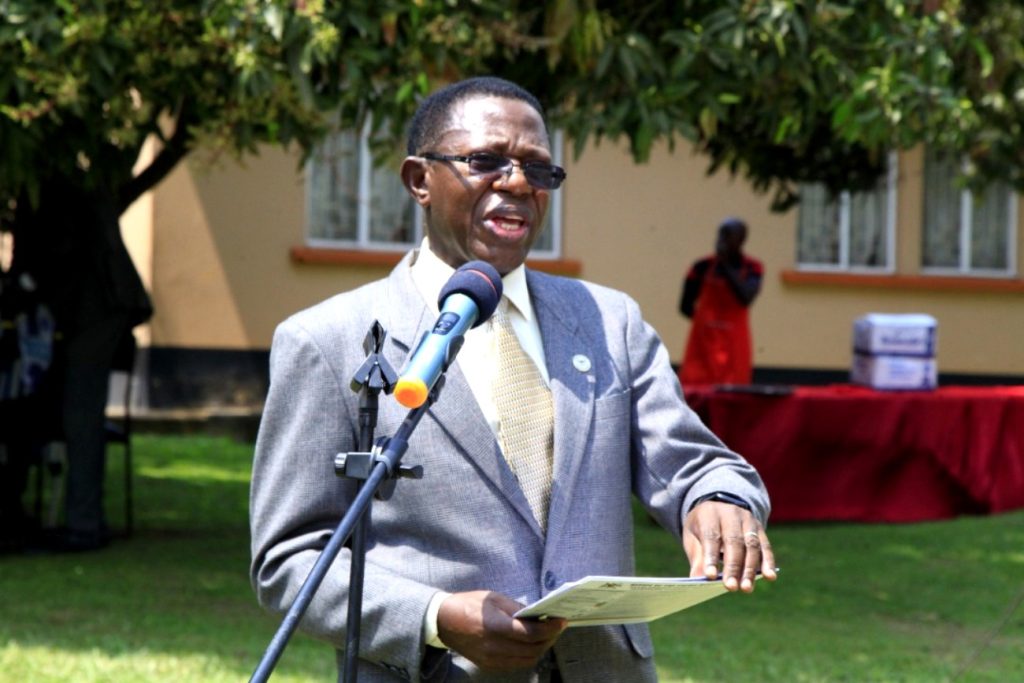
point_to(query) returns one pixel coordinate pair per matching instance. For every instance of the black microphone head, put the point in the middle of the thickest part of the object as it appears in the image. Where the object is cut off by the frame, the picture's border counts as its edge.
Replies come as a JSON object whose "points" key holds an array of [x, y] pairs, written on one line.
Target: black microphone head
{"points": [[480, 282]]}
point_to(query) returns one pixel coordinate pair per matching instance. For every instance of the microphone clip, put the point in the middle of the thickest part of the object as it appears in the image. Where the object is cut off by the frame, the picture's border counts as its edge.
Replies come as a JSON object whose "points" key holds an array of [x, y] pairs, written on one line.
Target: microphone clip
{"points": [[359, 465], [375, 374]]}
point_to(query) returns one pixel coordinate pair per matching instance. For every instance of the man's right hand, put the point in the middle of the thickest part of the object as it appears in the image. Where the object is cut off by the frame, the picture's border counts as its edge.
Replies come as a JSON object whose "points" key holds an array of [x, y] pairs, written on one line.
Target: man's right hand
{"points": [[479, 626]]}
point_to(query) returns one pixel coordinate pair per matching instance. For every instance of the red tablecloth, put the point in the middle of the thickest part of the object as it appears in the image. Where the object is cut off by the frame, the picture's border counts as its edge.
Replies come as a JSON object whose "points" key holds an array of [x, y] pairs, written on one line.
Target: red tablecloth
{"points": [[846, 452]]}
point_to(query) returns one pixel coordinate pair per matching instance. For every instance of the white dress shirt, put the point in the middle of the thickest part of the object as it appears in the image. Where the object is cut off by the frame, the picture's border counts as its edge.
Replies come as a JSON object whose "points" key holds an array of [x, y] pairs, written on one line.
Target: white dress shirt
{"points": [[478, 357]]}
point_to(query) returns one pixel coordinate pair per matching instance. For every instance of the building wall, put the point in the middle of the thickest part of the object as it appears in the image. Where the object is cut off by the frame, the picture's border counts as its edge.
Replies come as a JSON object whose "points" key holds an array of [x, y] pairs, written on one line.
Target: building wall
{"points": [[638, 227], [222, 277]]}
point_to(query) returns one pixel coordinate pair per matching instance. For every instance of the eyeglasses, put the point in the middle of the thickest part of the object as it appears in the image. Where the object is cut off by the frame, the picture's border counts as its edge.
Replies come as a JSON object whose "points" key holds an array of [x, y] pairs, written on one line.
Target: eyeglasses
{"points": [[539, 174]]}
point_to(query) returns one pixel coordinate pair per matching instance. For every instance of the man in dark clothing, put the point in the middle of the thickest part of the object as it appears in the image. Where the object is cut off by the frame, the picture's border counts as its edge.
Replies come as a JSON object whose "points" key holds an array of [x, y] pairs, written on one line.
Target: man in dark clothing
{"points": [[70, 243]]}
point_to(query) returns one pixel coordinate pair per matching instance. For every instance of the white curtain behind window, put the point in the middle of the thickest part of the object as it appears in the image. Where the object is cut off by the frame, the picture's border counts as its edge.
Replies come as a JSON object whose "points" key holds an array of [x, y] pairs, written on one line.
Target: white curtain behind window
{"points": [[333, 186], [848, 231], [392, 211], [941, 236], [868, 218], [964, 231], [818, 228], [990, 221]]}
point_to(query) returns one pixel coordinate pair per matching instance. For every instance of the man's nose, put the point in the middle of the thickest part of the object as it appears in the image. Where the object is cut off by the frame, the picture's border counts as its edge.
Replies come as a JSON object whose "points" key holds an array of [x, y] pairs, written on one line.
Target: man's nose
{"points": [[512, 181]]}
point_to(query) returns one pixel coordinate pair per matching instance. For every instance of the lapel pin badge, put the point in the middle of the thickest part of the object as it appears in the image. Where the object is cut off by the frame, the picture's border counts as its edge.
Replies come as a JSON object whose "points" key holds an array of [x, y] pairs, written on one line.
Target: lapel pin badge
{"points": [[581, 362]]}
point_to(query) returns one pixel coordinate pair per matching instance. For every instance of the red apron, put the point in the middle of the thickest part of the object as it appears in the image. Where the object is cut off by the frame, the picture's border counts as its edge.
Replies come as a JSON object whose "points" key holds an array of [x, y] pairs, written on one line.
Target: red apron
{"points": [[719, 350]]}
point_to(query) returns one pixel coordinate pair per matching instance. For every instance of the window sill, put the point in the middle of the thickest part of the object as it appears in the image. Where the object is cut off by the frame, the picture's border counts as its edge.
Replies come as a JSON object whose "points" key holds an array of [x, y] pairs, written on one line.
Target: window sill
{"points": [[936, 283], [360, 257]]}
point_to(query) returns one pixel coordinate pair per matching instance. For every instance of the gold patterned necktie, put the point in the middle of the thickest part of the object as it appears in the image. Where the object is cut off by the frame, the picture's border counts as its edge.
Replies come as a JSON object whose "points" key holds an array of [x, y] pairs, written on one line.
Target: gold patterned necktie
{"points": [[526, 418]]}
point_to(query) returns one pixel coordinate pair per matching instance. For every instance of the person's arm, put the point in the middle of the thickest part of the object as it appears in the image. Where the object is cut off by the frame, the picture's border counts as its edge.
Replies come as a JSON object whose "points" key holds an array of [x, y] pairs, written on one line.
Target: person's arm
{"points": [[479, 625], [297, 502], [727, 535], [691, 288], [745, 285], [679, 465]]}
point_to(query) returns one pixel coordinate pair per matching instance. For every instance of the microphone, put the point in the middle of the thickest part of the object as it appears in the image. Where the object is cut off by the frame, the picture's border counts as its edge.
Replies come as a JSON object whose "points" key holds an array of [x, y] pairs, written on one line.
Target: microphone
{"points": [[467, 299]]}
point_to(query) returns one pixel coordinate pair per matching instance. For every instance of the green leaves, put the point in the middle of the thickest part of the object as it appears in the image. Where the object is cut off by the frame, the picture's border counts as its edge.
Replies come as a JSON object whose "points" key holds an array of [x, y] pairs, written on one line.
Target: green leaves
{"points": [[780, 91]]}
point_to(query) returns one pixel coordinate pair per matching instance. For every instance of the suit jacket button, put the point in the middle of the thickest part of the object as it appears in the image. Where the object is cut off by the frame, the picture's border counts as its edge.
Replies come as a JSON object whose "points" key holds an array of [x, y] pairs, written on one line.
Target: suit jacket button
{"points": [[550, 580]]}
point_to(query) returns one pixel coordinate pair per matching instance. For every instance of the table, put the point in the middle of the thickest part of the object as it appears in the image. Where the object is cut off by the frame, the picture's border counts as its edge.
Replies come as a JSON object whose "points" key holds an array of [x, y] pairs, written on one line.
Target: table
{"points": [[845, 452]]}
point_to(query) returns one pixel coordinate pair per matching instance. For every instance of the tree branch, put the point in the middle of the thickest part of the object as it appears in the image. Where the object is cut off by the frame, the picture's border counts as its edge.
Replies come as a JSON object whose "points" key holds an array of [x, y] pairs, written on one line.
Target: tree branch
{"points": [[174, 150]]}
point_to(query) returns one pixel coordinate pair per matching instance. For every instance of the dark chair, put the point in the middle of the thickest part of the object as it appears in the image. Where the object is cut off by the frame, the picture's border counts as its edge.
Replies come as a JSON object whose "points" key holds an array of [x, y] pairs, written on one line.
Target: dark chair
{"points": [[118, 427]]}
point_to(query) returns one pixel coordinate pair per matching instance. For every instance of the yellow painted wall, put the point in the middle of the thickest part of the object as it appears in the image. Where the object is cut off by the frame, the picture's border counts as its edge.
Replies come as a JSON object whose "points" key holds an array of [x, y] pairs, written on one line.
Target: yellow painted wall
{"points": [[222, 276], [137, 232], [637, 228], [978, 332]]}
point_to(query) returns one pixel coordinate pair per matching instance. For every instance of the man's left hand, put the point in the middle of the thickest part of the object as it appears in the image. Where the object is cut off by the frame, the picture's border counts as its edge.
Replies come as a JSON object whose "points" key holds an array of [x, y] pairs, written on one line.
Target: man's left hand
{"points": [[716, 532]]}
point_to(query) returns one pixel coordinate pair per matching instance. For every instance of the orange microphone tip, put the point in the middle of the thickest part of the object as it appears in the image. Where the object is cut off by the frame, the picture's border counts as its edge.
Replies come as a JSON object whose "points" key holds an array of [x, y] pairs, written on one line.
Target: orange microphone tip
{"points": [[411, 392]]}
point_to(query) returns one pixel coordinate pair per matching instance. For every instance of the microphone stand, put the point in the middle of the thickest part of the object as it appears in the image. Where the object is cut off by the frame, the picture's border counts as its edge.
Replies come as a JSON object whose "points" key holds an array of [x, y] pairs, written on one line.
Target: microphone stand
{"points": [[372, 466]]}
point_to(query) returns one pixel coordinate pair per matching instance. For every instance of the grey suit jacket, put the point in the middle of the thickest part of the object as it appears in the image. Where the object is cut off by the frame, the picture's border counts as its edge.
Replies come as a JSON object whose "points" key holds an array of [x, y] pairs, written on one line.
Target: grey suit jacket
{"points": [[621, 428]]}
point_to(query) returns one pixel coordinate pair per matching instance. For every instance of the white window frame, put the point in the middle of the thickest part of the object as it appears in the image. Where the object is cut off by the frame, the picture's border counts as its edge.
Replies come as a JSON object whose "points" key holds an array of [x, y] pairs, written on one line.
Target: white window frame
{"points": [[363, 209], [963, 267], [845, 197]]}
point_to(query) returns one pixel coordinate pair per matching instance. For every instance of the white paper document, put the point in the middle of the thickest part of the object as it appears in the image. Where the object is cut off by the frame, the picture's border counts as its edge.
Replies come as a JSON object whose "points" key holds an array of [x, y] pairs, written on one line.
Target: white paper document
{"points": [[595, 600]]}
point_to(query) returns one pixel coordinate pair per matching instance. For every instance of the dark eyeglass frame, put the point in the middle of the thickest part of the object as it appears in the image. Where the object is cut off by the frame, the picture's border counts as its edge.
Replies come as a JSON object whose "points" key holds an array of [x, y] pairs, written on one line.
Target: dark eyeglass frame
{"points": [[539, 174]]}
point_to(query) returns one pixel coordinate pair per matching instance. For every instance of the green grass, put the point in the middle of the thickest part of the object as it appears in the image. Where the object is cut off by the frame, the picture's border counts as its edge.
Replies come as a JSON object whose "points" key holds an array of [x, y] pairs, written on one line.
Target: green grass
{"points": [[173, 603], [892, 603], [909, 603]]}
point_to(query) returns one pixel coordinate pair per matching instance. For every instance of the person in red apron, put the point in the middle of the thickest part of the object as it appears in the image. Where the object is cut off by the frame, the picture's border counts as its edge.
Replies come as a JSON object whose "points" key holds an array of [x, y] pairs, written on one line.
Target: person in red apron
{"points": [[717, 294]]}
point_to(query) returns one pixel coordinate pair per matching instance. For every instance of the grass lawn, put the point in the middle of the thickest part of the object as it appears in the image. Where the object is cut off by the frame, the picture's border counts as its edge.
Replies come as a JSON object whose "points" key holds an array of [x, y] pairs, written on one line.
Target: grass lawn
{"points": [[908, 603]]}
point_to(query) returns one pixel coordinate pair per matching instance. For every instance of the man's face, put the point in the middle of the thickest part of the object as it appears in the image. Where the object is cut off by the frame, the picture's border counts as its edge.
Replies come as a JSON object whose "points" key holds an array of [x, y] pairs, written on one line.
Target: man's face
{"points": [[730, 241], [492, 218]]}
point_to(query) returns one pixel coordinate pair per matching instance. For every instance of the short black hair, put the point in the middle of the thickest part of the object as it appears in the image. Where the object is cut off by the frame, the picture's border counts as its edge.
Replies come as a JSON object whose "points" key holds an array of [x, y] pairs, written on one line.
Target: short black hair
{"points": [[433, 114], [733, 223]]}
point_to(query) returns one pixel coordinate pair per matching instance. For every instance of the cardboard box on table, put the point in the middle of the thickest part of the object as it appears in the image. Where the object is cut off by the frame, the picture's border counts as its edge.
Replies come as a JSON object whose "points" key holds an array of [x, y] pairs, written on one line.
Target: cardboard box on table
{"points": [[894, 351]]}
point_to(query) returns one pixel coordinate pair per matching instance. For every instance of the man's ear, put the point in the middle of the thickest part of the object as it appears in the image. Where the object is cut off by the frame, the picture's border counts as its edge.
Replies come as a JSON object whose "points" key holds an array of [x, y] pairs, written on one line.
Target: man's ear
{"points": [[414, 176]]}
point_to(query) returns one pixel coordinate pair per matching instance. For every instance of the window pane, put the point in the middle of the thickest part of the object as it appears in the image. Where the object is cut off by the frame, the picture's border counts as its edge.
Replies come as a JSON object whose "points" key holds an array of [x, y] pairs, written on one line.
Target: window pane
{"points": [[392, 211], [546, 239], [818, 228], [333, 186], [986, 227], [549, 242], [868, 218], [990, 225], [941, 237]]}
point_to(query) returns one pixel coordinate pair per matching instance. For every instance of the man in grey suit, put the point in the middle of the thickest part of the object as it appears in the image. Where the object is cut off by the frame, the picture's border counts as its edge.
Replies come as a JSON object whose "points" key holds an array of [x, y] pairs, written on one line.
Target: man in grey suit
{"points": [[452, 557]]}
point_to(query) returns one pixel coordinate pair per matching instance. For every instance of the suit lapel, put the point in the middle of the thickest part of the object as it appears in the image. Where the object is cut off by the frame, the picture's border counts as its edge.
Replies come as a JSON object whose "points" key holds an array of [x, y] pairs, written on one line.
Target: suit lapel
{"points": [[456, 412], [570, 362]]}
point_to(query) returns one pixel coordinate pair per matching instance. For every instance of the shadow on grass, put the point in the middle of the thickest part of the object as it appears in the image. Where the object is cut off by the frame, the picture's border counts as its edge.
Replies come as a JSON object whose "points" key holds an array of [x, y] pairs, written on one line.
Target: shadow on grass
{"points": [[174, 597]]}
